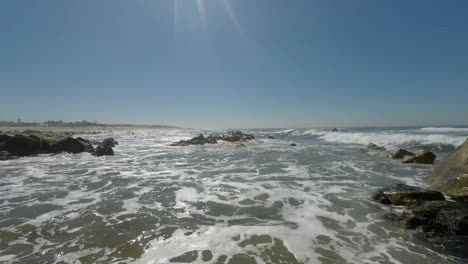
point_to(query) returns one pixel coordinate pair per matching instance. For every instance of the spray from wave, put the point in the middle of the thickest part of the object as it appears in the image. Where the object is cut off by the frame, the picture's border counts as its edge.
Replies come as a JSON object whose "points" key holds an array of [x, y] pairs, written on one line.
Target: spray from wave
{"points": [[390, 140]]}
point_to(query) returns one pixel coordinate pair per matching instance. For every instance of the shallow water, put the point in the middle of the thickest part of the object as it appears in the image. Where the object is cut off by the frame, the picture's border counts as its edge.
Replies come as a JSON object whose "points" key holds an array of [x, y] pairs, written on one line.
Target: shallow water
{"points": [[266, 202]]}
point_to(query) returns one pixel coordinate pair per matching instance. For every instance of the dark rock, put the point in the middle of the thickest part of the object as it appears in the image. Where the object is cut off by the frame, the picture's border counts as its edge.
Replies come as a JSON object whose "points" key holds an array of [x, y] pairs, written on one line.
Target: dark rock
{"points": [[335, 130], [187, 257], [103, 151], [440, 218], [199, 140], [207, 255], [20, 145], [5, 155], [271, 137], [451, 175], [402, 194], [109, 142], [84, 140], [292, 145], [235, 136], [400, 154], [3, 138], [34, 137], [425, 157], [71, 145], [374, 146]]}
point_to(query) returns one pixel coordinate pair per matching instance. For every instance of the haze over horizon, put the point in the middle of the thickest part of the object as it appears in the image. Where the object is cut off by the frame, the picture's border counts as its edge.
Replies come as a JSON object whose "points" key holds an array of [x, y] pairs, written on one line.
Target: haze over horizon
{"points": [[236, 63]]}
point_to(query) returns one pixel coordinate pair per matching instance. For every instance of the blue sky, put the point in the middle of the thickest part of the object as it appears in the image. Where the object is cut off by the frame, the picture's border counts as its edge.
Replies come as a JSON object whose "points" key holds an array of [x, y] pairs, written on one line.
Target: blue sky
{"points": [[235, 63]]}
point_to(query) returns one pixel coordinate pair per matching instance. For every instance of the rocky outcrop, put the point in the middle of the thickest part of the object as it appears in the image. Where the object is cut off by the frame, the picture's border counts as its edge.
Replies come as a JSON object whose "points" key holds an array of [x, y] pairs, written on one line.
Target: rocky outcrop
{"points": [[400, 154], [425, 157], [335, 130], [20, 145], [426, 210], [402, 194], [451, 175], [15, 146], [199, 140], [71, 145], [236, 136], [441, 218], [271, 137]]}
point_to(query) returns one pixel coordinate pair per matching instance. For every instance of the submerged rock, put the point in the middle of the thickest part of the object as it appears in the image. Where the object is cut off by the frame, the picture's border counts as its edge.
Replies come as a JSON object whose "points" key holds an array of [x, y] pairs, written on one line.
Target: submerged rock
{"points": [[451, 174], [400, 154], [425, 157], [198, 140], [187, 257], [236, 136], [271, 137], [292, 145], [109, 143], [374, 146], [335, 130], [402, 194], [103, 151]]}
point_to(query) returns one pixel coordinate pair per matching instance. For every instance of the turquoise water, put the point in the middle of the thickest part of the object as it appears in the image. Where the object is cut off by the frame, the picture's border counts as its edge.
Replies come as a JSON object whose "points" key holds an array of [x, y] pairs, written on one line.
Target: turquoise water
{"points": [[265, 202]]}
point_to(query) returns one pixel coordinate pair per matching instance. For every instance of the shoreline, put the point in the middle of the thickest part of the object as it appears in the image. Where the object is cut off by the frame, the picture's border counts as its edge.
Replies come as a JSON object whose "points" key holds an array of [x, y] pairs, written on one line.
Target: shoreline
{"points": [[79, 129]]}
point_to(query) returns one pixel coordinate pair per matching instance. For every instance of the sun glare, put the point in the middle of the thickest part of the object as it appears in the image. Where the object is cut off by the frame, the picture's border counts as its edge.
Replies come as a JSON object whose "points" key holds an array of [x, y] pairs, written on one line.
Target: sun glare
{"points": [[201, 10]]}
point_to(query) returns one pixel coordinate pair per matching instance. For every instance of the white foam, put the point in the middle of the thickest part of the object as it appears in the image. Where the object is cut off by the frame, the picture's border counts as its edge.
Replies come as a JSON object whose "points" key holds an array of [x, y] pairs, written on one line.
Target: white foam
{"points": [[444, 129], [391, 140]]}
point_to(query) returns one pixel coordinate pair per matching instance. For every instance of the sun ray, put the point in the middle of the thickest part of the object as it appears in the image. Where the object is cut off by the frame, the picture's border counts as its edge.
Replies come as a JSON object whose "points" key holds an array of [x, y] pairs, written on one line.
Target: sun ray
{"points": [[202, 13], [176, 14], [232, 15]]}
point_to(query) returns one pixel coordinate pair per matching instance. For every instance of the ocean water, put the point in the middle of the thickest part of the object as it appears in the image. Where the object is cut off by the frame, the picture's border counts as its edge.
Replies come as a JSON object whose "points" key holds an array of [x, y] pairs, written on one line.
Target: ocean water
{"points": [[265, 202]]}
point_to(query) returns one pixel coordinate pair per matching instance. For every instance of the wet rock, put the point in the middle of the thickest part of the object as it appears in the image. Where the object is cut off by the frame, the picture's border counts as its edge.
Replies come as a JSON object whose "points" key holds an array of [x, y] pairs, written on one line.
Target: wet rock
{"points": [[234, 136], [292, 145], [34, 137], [20, 145], [262, 197], [271, 137], [103, 151], [198, 140], [71, 145], [335, 130], [425, 157], [441, 218], [109, 143], [247, 202], [3, 138], [374, 146], [242, 259], [458, 188], [187, 257], [402, 194], [5, 155], [450, 174], [400, 154], [207, 255], [221, 259]]}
